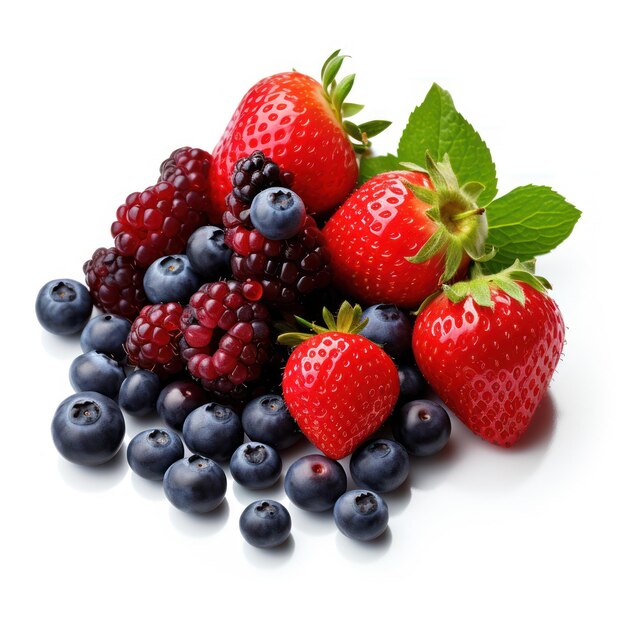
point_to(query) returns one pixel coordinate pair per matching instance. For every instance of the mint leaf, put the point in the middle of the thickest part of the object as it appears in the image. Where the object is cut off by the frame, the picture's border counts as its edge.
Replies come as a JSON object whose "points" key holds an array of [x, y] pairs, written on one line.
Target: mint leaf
{"points": [[526, 222], [436, 126], [377, 165]]}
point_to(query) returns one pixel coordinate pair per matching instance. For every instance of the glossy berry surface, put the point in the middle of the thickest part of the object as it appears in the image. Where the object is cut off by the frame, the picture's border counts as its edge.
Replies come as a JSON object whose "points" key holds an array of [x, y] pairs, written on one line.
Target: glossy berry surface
{"points": [[214, 431], [361, 515], [152, 343], [63, 306], [314, 482], [267, 419], [422, 427], [381, 465], [265, 524], [195, 484], [278, 213], [177, 400], [115, 283], [171, 279], [107, 334], [412, 383], [151, 452], [88, 428], [390, 328], [139, 392], [208, 253], [156, 222], [95, 371], [255, 465]]}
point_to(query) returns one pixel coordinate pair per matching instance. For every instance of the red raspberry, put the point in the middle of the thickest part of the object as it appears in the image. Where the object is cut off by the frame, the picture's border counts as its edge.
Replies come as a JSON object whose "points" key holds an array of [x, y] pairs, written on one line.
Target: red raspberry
{"points": [[188, 170], [115, 283], [156, 222], [152, 343], [226, 336]]}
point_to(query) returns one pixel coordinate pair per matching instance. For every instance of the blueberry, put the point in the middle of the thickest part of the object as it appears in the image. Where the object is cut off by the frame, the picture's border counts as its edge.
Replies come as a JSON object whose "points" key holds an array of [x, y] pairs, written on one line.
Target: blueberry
{"points": [[208, 254], [88, 428], [171, 279], [63, 306], [255, 465], [95, 371], [177, 400], [361, 515], [422, 427], [195, 485], [314, 482], [389, 327], [381, 465], [267, 419], [265, 524], [107, 334], [278, 213], [151, 452], [214, 431], [412, 383], [139, 392]]}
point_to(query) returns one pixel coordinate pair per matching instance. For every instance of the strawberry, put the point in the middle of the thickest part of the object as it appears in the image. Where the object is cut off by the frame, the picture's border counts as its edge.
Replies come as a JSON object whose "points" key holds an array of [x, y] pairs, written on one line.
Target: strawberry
{"points": [[339, 386], [489, 347], [401, 234], [298, 123]]}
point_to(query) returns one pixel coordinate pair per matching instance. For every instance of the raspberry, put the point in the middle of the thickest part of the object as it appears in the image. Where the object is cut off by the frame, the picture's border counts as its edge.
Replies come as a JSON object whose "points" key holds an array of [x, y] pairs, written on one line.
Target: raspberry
{"points": [[255, 173], [188, 170], [226, 336], [156, 222], [152, 343], [115, 283]]}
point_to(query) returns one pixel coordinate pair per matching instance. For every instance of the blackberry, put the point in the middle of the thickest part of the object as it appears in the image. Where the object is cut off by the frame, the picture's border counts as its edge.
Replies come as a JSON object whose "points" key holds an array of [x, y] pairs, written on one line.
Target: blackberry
{"points": [[152, 343], [255, 173], [115, 283], [226, 335], [188, 170]]}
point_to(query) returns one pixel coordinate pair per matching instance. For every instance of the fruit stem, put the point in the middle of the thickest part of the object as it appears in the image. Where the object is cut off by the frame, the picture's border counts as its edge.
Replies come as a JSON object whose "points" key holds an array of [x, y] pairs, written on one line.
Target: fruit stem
{"points": [[461, 216]]}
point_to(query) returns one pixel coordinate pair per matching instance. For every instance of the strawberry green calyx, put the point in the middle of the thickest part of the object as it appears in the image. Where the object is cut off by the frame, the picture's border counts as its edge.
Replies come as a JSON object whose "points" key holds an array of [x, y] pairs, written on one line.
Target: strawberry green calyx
{"points": [[479, 285], [348, 320], [336, 94], [461, 222]]}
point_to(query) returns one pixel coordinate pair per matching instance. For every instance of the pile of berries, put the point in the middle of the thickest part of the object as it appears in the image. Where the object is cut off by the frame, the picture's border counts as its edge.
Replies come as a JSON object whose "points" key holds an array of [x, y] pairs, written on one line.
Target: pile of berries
{"points": [[203, 296]]}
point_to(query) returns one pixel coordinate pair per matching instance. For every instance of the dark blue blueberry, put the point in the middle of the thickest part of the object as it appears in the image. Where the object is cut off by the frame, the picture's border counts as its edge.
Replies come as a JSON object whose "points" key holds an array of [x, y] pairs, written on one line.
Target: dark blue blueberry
{"points": [[63, 306], [171, 279], [139, 392], [208, 254], [389, 327], [151, 452], [422, 427], [361, 515], [195, 485], [278, 213], [88, 428], [214, 431], [177, 400], [107, 334], [255, 465], [265, 524], [381, 465], [412, 383], [314, 482], [95, 371], [267, 419]]}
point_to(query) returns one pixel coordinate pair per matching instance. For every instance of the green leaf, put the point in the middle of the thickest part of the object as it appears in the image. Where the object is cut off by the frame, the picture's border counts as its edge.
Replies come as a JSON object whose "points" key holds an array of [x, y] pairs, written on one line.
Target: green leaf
{"points": [[436, 126], [331, 71], [343, 89], [329, 318], [434, 244], [349, 109], [352, 129], [373, 128], [526, 222], [371, 166], [328, 60]]}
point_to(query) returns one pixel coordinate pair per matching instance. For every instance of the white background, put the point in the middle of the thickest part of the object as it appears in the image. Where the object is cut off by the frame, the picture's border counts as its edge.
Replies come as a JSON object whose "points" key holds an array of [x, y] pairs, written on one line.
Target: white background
{"points": [[95, 96]]}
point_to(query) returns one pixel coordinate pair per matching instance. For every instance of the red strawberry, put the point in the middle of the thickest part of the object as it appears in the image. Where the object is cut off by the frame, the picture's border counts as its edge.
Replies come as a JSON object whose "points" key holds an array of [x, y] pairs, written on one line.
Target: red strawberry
{"points": [[401, 234], [338, 386], [489, 347], [298, 123]]}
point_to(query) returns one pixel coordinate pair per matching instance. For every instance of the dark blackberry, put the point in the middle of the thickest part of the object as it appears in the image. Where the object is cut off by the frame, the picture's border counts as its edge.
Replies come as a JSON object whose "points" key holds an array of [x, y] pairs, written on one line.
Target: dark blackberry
{"points": [[115, 283], [254, 173]]}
